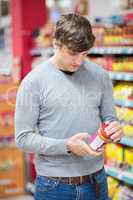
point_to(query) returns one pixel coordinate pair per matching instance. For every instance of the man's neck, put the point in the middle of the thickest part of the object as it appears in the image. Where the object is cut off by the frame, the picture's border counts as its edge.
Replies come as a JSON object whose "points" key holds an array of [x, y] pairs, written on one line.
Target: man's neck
{"points": [[67, 72], [56, 61]]}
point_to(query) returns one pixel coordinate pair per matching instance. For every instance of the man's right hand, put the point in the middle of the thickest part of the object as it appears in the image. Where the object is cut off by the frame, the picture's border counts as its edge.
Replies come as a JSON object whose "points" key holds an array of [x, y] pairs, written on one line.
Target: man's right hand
{"points": [[77, 145]]}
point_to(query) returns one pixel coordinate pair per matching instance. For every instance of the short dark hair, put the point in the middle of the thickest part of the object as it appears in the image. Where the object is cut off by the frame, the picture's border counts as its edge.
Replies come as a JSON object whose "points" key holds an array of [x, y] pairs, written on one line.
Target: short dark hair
{"points": [[75, 32]]}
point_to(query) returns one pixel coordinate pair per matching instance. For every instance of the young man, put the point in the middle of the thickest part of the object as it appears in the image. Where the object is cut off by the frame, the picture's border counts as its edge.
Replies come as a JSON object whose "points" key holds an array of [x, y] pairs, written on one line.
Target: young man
{"points": [[59, 104]]}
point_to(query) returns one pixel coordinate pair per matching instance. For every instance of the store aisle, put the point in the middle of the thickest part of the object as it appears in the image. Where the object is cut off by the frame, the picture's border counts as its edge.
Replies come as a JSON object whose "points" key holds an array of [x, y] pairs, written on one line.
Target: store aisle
{"points": [[24, 197]]}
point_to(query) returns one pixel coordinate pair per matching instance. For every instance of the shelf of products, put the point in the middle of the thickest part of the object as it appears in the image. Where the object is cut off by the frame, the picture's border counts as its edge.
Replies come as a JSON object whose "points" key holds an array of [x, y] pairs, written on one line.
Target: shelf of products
{"points": [[95, 50], [118, 191], [119, 174], [112, 50], [11, 159], [126, 103], [123, 94], [125, 76], [126, 5], [127, 141], [125, 116], [119, 162], [11, 172], [126, 11], [42, 51]]}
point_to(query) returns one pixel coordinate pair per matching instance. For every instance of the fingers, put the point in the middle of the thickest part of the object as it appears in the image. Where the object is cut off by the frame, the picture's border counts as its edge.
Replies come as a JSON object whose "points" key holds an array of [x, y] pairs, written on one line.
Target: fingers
{"points": [[117, 136], [81, 136], [88, 150], [115, 131], [112, 128], [77, 145]]}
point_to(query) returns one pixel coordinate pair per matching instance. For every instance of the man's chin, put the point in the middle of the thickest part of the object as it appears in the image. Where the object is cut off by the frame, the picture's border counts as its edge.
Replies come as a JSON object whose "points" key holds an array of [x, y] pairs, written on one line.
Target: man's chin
{"points": [[75, 68]]}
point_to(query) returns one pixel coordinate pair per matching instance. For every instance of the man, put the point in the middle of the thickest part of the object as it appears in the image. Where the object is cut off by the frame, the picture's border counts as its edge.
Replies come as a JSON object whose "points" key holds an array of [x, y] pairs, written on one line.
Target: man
{"points": [[59, 105]]}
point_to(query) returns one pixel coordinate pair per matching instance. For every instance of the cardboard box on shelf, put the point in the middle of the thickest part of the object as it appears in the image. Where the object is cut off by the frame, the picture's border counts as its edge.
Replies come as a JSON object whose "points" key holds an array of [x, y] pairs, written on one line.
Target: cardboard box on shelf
{"points": [[11, 172]]}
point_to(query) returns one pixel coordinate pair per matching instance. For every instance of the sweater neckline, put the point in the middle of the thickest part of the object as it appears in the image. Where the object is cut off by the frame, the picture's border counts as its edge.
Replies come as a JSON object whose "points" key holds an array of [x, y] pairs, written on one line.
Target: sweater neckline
{"points": [[67, 73]]}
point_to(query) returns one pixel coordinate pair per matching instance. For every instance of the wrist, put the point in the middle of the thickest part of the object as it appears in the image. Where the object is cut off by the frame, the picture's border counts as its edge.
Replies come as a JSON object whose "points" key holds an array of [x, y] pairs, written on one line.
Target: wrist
{"points": [[68, 147]]}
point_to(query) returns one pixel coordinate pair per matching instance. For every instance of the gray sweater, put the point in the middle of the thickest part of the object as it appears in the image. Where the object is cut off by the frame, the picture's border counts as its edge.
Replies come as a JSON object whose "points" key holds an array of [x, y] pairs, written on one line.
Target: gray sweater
{"points": [[52, 106]]}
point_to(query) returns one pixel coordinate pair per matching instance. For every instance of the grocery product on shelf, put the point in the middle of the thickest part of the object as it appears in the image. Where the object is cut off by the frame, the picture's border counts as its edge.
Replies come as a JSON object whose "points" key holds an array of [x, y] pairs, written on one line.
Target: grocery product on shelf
{"points": [[126, 118], [124, 64], [11, 172], [114, 154], [128, 157], [119, 157], [112, 186], [118, 35], [125, 114], [116, 32], [123, 91], [126, 4], [128, 130], [113, 51], [118, 191], [11, 159], [115, 63]]}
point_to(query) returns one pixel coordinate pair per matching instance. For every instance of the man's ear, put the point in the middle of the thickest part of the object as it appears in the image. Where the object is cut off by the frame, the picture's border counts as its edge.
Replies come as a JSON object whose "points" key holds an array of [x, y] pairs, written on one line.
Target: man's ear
{"points": [[54, 44]]}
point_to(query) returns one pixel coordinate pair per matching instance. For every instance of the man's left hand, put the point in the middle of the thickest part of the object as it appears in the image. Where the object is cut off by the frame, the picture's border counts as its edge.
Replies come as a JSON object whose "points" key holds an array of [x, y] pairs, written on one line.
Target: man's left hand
{"points": [[115, 131]]}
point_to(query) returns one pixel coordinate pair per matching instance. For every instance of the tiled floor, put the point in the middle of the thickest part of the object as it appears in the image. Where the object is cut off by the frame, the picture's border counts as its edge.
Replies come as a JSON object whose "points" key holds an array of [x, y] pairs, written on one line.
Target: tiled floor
{"points": [[24, 197]]}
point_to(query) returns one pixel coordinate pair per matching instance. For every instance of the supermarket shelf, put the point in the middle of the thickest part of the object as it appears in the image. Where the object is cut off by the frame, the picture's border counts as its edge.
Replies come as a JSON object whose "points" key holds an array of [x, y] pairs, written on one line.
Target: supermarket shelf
{"points": [[124, 103], [42, 51], [124, 12], [127, 141], [121, 76], [94, 50], [112, 50], [127, 177], [5, 61]]}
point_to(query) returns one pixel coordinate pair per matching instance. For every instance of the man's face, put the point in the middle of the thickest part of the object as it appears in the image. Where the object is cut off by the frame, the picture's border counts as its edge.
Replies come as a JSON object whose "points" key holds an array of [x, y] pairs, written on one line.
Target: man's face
{"points": [[69, 60]]}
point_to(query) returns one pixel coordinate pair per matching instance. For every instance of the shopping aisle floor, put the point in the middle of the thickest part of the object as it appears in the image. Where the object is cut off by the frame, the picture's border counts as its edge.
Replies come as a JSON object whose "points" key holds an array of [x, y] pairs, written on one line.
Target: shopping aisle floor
{"points": [[24, 197]]}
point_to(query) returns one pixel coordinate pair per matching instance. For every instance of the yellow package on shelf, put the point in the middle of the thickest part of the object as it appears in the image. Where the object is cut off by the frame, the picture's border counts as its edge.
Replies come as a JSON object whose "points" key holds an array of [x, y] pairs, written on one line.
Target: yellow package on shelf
{"points": [[114, 153], [112, 186], [128, 130], [122, 66], [125, 114], [128, 156]]}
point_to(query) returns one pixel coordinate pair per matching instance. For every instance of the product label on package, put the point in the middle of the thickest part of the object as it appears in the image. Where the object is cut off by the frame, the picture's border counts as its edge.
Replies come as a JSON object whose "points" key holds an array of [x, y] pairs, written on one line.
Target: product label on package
{"points": [[95, 141]]}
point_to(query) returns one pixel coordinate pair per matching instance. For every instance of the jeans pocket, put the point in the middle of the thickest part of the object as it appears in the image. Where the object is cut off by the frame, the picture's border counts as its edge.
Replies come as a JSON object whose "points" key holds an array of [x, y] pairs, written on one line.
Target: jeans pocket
{"points": [[101, 185], [44, 184], [101, 177]]}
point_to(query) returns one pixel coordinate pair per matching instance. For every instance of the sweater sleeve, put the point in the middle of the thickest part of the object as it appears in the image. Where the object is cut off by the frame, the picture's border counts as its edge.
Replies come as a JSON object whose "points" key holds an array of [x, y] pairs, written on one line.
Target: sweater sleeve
{"points": [[27, 110], [107, 106]]}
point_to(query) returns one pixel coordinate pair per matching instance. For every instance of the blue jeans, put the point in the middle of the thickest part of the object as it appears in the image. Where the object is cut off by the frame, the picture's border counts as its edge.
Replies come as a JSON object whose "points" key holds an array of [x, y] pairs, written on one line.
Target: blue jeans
{"points": [[49, 189]]}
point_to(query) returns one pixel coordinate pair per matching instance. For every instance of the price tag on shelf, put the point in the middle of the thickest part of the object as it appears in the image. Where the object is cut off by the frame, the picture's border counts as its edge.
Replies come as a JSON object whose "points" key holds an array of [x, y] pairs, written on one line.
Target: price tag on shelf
{"points": [[120, 176]]}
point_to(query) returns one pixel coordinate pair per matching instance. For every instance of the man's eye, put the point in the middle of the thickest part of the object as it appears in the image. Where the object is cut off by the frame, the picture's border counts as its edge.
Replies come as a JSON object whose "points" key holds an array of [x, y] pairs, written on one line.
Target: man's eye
{"points": [[85, 54], [73, 54]]}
